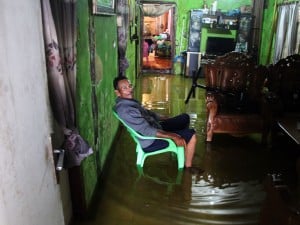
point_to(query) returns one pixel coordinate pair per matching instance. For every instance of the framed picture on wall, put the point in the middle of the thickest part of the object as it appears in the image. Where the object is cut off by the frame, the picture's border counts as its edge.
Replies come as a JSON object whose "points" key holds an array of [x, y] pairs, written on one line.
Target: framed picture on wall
{"points": [[105, 7]]}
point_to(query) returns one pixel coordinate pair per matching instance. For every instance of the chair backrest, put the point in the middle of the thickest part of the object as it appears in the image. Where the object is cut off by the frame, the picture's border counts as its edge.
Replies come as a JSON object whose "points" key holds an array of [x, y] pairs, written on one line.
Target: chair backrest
{"points": [[284, 81], [234, 78], [229, 72], [135, 135], [132, 132]]}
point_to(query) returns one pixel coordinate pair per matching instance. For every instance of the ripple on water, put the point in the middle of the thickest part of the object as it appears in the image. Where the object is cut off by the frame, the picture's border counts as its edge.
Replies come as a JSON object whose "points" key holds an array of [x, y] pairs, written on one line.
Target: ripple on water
{"points": [[195, 200]]}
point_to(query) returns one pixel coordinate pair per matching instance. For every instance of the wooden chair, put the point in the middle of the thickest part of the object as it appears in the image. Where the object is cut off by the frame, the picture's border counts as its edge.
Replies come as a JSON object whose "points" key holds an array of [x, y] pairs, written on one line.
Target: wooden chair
{"points": [[235, 100], [141, 155]]}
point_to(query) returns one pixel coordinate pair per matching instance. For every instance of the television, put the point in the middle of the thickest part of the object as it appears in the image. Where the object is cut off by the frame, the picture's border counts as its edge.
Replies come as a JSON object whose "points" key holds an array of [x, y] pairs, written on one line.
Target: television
{"points": [[218, 46]]}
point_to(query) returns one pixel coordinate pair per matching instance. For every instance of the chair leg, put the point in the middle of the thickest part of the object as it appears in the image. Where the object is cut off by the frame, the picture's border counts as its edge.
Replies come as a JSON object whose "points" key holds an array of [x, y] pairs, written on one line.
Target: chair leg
{"points": [[140, 158], [209, 132], [209, 137], [140, 171], [180, 157]]}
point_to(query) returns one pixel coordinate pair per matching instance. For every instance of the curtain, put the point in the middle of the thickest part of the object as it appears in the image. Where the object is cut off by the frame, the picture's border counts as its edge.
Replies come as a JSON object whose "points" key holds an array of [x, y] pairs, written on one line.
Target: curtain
{"points": [[123, 27], [59, 82], [286, 32], [297, 47], [153, 10], [59, 26], [64, 15]]}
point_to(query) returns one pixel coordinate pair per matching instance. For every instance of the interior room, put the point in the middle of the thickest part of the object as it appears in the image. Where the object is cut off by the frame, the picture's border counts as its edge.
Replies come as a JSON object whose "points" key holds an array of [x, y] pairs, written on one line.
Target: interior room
{"points": [[229, 68], [158, 32]]}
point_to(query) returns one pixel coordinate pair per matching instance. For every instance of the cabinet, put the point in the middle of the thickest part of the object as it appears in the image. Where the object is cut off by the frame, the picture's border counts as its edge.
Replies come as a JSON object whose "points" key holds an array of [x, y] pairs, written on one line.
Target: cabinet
{"points": [[218, 27], [215, 35]]}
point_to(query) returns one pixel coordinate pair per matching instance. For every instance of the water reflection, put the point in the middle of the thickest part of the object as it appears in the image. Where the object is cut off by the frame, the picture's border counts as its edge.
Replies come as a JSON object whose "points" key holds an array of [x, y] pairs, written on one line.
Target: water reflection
{"points": [[155, 94], [196, 200], [229, 191], [208, 198]]}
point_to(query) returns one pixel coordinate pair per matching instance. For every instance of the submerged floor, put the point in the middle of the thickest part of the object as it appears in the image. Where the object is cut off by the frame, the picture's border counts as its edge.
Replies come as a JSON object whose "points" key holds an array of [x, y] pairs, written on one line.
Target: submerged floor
{"points": [[229, 191]]}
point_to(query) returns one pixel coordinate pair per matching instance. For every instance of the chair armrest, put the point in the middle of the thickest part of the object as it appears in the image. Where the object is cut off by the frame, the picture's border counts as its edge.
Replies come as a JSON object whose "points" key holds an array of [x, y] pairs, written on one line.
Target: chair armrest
{"points": [[211, 103], [271, 97], [138, 135], [272, 103], [212, 108]]}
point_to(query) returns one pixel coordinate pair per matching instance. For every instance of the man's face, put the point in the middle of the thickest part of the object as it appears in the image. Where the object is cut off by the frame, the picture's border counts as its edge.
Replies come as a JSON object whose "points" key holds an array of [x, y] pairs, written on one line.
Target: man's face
{"points": [[125, 89]]}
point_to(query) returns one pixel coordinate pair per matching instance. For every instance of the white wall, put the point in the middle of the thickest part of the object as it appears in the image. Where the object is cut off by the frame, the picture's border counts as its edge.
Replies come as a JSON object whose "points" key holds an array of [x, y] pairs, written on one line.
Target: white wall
{"points": [[29, 194]]}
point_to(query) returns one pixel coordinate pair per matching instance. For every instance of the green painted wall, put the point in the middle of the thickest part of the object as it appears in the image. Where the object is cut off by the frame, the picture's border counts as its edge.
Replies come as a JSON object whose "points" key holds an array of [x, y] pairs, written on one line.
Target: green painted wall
{"points": [[106, 67], [84, 109], [226, 5], [266, 41], [96, 68], [133, 48], [130, 55], [96, 51]]}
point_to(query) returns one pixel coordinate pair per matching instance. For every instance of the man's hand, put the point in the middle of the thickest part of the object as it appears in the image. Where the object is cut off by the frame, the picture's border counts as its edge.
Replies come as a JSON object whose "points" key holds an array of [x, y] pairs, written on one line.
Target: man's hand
{"points": [[179, 141]]}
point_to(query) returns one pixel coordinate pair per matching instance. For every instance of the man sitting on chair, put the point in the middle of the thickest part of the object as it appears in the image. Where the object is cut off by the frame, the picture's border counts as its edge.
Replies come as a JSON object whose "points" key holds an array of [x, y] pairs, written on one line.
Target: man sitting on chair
{"points": [[148, 123]]}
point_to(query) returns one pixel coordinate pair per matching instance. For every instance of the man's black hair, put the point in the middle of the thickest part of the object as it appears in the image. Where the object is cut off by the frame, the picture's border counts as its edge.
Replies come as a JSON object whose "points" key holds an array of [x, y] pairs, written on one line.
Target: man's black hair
{"points": [[117, 79]]}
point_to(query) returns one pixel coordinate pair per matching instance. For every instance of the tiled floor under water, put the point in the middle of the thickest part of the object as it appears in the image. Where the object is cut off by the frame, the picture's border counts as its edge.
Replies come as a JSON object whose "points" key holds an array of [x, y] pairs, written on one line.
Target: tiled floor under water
{"points": [[229, 191]]}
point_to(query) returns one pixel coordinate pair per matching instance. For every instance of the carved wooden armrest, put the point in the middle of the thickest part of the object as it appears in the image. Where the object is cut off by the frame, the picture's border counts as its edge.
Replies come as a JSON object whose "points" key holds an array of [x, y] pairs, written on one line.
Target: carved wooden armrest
{"points": [[211, 103], [271, 104], [212, 108]]}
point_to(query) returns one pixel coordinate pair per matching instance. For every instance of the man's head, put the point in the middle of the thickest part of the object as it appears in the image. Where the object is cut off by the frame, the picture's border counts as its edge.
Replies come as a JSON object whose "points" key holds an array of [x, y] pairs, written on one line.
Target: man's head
{"points": [[123, 87]]}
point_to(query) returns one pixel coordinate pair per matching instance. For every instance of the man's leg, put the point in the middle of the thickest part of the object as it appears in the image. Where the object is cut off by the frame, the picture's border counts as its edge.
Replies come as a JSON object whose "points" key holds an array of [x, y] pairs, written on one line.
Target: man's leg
{"points": [[156, 145], [189, 151], [179, 122], [189, 136]]}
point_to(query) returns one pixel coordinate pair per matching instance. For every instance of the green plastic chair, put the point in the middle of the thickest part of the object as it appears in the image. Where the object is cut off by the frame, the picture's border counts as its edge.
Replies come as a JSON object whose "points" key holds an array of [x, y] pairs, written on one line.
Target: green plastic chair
{"points": [[141, 155]]}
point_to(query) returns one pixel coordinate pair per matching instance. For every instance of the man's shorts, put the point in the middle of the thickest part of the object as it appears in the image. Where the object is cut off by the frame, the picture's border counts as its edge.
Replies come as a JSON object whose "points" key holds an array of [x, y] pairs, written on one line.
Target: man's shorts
{"points": [[179, 125], [158, 144]]}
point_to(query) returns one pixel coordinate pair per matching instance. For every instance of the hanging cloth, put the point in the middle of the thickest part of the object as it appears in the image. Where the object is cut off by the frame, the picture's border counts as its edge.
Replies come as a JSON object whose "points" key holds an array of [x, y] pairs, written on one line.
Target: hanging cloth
{"points": [[286, 32], [155, 10], [59, 26]]}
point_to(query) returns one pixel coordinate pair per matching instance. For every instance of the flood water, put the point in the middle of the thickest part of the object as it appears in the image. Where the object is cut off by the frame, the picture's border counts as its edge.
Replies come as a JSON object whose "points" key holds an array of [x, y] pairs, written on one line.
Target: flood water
{"points": [[231, 190]]}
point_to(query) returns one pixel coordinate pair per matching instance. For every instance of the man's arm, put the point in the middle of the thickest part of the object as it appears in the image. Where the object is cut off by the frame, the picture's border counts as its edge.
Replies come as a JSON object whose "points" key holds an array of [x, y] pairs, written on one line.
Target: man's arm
{"points": [[158, 117], [179, 141]]}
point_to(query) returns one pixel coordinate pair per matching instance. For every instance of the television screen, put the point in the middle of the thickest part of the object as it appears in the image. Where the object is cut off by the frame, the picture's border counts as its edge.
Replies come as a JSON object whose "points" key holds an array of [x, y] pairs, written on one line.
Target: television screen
{"points": [[219, 45]]}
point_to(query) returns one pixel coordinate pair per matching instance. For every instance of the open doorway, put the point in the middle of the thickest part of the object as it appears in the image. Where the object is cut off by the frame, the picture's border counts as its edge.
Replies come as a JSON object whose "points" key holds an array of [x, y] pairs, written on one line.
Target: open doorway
{"points": [[157, 32]]}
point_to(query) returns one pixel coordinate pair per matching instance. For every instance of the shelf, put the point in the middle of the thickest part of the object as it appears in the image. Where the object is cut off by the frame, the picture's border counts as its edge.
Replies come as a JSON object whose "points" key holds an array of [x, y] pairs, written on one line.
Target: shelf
{"points": [[218, 31], [219, 26]]}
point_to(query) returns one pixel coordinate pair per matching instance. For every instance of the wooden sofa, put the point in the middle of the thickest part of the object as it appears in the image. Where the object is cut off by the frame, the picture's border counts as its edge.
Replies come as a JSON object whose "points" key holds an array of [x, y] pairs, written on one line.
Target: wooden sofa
{"points": [[283, 85], [283, 96], [234, 97]]}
